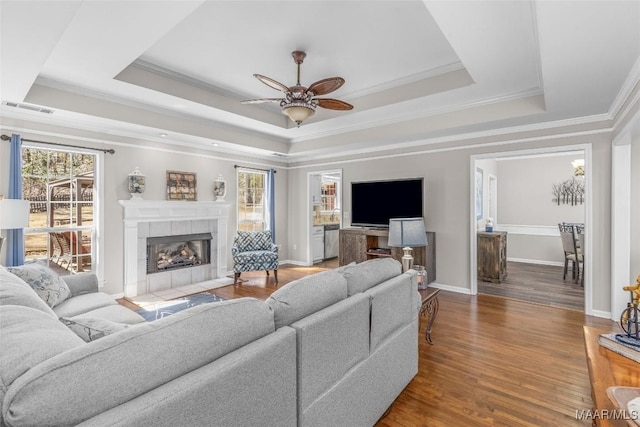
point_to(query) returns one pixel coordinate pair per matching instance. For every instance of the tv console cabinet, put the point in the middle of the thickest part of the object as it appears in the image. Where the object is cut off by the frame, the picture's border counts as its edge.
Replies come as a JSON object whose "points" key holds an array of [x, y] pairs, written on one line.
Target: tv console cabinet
{"points": [[360, 244]]}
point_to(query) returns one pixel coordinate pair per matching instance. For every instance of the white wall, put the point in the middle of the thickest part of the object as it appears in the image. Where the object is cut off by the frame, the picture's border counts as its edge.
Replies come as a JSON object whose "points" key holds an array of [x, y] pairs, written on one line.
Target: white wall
{"points": [[635, 209], [526, 208]]}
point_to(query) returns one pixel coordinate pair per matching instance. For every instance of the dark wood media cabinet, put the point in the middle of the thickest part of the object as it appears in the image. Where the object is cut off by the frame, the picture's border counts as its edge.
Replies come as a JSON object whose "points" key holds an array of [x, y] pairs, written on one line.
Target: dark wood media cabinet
{"points": [[361, 244]]}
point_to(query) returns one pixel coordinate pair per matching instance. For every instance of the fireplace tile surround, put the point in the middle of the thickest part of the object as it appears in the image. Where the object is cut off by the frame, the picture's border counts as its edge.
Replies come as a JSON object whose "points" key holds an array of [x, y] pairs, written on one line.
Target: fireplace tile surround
{"points": [[150, 218]]}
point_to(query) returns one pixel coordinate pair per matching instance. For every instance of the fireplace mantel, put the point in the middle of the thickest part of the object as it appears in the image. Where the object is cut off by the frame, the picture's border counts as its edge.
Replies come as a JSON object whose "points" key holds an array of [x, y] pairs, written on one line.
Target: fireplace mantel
{"points": [[141, 217], [164, 210]]}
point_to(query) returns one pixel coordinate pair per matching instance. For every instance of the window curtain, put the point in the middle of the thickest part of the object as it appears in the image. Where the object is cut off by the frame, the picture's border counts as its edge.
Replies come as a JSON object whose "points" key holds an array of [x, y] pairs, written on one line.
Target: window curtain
{"points": [[271, 203], [15, 238]]}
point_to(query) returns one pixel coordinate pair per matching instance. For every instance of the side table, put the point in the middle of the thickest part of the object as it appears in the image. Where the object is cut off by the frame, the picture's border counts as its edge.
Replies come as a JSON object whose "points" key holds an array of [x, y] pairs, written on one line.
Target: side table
{"points": [[429, 309]]}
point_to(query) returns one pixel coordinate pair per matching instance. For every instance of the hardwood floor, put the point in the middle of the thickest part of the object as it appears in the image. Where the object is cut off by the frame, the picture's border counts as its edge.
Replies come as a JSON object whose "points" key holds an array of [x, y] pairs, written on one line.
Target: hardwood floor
{"points": [[495, 361], [542, 284]]}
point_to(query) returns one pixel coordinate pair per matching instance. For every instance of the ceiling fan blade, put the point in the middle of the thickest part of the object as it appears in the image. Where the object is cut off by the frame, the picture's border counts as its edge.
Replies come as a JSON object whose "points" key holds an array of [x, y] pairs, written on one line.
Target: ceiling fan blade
{"points": [[261, 101], [271, 83], [324, 86], [333, 104]]}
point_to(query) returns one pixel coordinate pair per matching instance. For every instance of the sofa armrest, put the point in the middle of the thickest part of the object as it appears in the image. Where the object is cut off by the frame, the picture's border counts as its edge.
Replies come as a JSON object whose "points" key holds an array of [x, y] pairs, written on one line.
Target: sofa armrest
{"points": [[132, 362], [80, 284]]}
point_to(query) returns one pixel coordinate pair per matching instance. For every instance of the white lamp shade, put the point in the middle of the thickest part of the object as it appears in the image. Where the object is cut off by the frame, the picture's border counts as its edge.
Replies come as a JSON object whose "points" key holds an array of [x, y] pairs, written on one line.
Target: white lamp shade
{"points": [[14, 213], [407, 232]]}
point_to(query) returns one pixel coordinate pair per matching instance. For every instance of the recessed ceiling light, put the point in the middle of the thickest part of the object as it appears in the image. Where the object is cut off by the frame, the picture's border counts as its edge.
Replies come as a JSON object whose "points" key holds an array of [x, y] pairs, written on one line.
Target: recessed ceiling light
{"points": [[163, 135], [215, 144]]}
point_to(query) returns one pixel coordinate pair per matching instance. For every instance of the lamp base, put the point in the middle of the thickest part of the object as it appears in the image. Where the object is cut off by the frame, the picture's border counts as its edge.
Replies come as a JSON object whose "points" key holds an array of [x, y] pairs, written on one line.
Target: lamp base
{"points": [[407, 259]]}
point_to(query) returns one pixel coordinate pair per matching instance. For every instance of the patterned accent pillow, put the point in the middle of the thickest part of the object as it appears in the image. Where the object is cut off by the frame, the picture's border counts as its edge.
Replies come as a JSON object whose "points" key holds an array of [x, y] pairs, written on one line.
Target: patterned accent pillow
{"points": [[90, 329], [47, 284]]}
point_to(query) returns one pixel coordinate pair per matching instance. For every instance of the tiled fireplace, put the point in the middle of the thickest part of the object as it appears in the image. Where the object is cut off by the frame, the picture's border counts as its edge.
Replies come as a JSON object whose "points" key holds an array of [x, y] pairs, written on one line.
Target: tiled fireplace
{"points": [[189, 239]]}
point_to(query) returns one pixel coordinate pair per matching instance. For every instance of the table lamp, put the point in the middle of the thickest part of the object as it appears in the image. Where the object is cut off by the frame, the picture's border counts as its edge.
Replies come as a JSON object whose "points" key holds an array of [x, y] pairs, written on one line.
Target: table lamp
{"points": [[14, 213], [407, 233]]}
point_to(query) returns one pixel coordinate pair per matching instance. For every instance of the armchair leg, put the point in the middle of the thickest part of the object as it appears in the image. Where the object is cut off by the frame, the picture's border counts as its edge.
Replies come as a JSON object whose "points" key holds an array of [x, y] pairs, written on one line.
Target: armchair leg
{"points": [[236, 276], [275, 275]]}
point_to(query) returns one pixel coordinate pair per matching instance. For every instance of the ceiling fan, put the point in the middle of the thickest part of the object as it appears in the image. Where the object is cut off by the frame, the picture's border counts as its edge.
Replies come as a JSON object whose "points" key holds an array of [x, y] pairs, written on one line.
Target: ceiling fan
{"points": [[299, 102]]}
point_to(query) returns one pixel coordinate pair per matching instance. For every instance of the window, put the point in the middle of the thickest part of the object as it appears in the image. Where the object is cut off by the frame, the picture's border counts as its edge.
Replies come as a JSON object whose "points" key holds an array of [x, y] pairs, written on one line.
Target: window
{"points": [[328, 195], [251, 200], [60, 187]]}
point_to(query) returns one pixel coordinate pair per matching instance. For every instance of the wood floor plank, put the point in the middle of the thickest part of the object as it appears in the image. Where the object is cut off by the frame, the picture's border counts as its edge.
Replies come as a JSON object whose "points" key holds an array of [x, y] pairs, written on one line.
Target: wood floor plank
{"points": [[542, 284], [495, 362]]}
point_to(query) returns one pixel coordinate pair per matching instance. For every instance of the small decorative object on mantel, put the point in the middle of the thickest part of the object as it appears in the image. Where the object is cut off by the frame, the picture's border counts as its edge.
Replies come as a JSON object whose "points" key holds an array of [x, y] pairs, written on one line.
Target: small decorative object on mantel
{"points": [[219, 188], [627, 344], [181, 186], [136, 183]]}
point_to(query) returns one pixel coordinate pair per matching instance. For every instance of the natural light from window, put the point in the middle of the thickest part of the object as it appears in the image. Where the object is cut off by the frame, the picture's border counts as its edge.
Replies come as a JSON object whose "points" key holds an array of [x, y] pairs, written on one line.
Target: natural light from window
{"points": [[60, 187]]}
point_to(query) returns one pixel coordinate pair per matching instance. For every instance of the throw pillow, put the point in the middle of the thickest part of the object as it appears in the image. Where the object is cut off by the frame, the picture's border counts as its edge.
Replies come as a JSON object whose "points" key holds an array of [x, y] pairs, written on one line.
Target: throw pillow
{"points": [[90, 329], [47, 284]]}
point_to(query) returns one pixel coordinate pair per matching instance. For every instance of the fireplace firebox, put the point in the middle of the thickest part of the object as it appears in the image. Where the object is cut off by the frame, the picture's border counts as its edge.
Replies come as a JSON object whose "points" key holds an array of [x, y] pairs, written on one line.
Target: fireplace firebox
{"points": [[181, 251]]}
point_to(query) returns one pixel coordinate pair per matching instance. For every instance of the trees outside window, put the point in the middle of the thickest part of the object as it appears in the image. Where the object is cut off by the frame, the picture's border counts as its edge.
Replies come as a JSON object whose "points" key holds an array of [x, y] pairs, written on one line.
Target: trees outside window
{"points": [[251, 200], [60, 187]]}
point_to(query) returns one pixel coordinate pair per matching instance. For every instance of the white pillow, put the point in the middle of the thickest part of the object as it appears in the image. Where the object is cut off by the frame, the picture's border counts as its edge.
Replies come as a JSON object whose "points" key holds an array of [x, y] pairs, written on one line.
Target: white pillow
{"points": [[90, 328], [47, 284]]}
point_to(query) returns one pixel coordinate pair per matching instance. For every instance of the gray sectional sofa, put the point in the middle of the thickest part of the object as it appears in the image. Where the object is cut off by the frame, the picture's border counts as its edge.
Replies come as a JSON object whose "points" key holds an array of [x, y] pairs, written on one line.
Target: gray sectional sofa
{"points": [[331, 349]]}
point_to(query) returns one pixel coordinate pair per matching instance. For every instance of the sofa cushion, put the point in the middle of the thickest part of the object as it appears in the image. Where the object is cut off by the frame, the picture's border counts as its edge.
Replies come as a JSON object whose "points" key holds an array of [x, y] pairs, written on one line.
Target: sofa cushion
{"points": [[331, 342], [29, 337], [83, 303], [83, 283], [367, 274], [91, 328], [392, 306], [114, 313], [305, 296], [15, 291], [46, 282]]}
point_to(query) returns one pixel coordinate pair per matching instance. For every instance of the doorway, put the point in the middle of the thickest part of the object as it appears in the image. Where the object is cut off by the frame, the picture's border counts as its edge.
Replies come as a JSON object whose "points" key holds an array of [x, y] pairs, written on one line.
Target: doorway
{"points": [[534, 239], [325, 215]]}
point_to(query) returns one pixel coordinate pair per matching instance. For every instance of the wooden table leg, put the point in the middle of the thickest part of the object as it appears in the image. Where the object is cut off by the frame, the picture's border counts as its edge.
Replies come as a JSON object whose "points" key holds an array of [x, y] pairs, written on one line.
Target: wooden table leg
{"points": [[429, 309]]}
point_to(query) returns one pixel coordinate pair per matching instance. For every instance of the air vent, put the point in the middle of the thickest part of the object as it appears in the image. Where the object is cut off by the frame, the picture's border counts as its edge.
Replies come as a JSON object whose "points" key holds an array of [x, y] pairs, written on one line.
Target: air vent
{"points": [[279, 155], [28, 107]]}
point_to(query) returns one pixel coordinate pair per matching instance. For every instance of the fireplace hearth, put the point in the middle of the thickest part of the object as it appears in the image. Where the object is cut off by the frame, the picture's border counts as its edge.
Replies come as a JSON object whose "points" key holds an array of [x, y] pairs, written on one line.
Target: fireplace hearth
{"points": [[175, 252]]}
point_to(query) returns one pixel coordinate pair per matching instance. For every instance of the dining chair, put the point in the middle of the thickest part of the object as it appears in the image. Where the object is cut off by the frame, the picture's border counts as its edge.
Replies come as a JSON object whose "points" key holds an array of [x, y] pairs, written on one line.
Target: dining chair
{"points": [[580, 248], [571, 252]]}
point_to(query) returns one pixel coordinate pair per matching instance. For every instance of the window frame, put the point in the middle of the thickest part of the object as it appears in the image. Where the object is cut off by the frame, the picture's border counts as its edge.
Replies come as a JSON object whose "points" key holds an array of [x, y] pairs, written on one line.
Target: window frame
{"points": [[241, 203], [97, 229]]}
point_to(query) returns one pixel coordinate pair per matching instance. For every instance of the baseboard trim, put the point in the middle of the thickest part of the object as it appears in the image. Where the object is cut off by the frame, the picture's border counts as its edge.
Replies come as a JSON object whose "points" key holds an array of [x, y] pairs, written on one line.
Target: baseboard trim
{"points": [[603, 314], [536, 261], [450, 288]]}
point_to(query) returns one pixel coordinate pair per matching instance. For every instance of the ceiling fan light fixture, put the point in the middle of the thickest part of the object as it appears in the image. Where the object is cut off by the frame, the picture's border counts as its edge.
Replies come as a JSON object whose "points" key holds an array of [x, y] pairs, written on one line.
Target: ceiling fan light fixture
{"points": [[298, 111], [300, 102]]}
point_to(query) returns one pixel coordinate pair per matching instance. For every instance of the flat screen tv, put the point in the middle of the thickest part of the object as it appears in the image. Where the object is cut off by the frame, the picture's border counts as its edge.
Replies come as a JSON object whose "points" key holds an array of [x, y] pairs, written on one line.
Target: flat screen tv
{"points": [[373, 203]]}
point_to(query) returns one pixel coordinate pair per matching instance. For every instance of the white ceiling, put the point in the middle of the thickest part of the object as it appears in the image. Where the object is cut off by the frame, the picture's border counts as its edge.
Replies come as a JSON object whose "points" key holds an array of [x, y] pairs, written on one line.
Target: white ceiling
{"points": [[414, 69]]}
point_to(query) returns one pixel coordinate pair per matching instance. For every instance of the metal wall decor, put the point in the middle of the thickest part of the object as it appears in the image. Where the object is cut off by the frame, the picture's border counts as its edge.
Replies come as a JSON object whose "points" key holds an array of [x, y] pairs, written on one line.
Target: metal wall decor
{"points": [[181, 186], [569, 192]]}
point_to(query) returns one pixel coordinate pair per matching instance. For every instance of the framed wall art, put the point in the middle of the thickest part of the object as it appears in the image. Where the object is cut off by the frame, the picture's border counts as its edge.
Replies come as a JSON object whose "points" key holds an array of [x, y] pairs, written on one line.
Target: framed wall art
{"points": [[181, 186]]}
